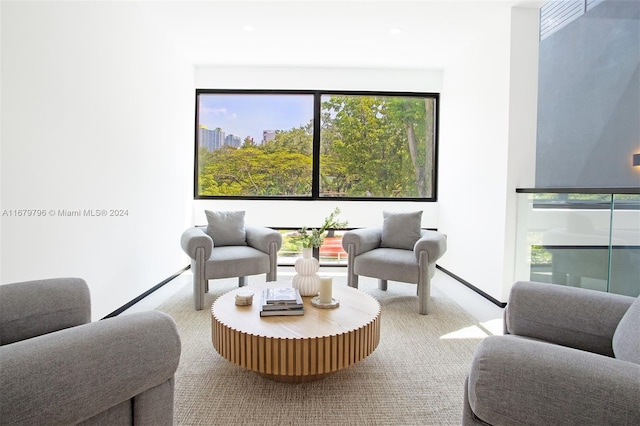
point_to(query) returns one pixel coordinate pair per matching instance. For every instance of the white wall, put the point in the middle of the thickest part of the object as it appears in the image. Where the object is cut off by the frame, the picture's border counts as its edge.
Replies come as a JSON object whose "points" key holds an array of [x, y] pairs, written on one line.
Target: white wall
{"points": [[487, 140], [487, 146], [523, 103], [97, 113], [311, 213]]}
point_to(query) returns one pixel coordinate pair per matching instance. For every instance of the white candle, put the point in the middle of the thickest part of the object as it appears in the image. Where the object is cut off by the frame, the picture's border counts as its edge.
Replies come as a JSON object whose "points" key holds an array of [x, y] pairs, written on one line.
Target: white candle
{"points": [[325, 289]]}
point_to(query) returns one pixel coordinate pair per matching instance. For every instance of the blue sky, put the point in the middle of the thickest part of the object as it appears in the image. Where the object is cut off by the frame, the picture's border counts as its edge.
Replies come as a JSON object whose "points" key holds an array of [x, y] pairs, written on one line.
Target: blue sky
{"points": [[248, 115]]}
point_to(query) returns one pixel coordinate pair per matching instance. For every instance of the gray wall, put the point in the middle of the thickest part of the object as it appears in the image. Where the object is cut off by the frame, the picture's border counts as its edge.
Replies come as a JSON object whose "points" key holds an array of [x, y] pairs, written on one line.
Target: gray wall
{"points": [[589, 100]]}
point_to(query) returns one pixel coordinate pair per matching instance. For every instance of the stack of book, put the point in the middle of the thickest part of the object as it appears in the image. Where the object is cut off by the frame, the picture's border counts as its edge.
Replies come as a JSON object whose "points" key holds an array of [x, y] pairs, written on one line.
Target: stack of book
{"points": [[281, 301]]}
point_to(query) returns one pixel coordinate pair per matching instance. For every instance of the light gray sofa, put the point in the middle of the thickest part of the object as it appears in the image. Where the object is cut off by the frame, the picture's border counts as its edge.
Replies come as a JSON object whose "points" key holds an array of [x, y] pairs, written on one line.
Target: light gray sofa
{"points": [[254, 252], [571, 356], [56, 367]]}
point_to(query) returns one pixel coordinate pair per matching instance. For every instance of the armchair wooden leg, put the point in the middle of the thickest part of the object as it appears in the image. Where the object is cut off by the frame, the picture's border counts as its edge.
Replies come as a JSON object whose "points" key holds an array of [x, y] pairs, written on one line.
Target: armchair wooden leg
{"points": [[242, 281], [382, 284]]}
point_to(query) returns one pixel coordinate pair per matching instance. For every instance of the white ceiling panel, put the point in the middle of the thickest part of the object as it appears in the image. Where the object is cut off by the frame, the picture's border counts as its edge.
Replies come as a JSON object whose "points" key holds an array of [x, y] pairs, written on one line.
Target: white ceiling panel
{"points": [[326, 33]]}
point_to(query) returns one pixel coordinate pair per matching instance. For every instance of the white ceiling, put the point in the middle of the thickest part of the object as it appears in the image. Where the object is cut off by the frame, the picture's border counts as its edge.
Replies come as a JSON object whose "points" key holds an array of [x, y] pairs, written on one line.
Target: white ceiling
{"points": [[326, 33]]}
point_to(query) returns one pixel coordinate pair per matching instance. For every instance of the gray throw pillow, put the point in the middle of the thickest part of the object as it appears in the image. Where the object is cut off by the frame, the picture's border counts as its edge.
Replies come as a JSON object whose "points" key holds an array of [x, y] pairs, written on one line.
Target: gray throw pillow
{"points": [[626, 339], [226, 228], [401, 230]]}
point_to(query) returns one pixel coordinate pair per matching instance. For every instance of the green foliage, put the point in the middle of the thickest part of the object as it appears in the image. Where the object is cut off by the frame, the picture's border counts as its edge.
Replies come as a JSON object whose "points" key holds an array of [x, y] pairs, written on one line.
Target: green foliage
{"points": [[375, 146], [540, 256], [290, 243], [370, 146], [254, 170], [298, 140]]}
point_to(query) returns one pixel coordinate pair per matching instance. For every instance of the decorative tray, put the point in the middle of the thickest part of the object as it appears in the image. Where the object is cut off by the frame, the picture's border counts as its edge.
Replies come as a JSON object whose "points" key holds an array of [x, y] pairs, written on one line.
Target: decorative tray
{"points": [[316, 302]]}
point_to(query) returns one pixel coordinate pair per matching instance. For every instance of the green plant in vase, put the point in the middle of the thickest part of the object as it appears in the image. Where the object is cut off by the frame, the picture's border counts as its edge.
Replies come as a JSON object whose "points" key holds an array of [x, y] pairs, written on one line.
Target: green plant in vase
{"points": [[313, 238]]}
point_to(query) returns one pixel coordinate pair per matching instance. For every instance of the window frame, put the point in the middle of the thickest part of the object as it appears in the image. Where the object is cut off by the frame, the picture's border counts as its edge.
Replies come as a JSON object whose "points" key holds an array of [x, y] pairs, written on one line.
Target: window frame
{"points": [[317, 109]]}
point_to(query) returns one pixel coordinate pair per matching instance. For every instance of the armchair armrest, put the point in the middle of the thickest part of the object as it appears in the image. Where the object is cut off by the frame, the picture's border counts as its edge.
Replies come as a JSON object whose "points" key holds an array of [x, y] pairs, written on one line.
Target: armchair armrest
{"points": [[33, 308], [260, 237], [194, 238], [71, 375], [515, 380], [363, 240], [433, 242], [570, 316]]}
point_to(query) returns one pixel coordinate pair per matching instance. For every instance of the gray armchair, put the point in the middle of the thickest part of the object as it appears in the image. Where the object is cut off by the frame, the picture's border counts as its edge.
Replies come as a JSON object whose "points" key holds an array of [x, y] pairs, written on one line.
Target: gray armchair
{"points": [[227, 248], [56, 367], [571, 356], [395, 252]]}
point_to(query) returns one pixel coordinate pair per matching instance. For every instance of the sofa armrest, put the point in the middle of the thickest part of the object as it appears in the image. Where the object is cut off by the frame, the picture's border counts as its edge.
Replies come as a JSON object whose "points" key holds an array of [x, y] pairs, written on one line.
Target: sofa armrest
{"points": [[71, 375], [260, 238], [363, 240], [33, 308], [194, 238], [515, 380], [570, 316], [433, 242]]}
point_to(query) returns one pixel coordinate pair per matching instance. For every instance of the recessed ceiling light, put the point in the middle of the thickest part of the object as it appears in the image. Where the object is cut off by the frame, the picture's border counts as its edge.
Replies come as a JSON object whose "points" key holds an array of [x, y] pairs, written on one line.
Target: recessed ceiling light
{"points": [[248, 28], [395, 31]]}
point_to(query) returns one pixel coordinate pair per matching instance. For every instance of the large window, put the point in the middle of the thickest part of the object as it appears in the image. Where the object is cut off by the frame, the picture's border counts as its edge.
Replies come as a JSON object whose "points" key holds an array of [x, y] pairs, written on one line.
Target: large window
{"points": [[316, 144]]}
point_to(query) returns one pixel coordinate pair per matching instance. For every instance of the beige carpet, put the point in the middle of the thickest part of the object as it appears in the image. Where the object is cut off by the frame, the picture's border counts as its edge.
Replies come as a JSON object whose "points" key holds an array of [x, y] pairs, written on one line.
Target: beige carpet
{"points": [[414, 377]]}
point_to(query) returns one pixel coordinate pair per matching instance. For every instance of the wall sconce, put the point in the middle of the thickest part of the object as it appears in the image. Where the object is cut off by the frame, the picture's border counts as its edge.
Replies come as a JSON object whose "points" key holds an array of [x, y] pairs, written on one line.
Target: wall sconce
{"points": [[636, 160]]}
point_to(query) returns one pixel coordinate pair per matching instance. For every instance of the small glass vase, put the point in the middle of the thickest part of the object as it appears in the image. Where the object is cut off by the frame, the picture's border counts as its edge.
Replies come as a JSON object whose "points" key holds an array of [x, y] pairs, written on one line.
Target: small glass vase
{"points": [[306, 279]]}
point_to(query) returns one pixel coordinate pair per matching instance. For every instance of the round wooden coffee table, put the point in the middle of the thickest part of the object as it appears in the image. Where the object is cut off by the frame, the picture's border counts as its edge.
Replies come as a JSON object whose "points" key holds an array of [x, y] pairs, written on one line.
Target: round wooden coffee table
{"points": [[296, 348]]}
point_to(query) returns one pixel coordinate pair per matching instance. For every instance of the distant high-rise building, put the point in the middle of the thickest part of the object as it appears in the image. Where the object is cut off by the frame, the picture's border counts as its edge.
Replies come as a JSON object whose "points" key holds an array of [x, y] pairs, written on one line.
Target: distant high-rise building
{"points": [[233, 140], [268, 135], [210, 139]]}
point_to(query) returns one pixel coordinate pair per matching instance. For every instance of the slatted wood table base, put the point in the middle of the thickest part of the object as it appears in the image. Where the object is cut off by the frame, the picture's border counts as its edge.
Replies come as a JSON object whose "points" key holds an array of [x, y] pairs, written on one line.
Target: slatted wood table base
{"points": [[296, 348]]}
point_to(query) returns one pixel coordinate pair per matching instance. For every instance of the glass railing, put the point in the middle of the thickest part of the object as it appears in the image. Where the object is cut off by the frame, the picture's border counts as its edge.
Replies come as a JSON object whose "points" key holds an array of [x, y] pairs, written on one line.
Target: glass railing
{"points": [[580, 237]]}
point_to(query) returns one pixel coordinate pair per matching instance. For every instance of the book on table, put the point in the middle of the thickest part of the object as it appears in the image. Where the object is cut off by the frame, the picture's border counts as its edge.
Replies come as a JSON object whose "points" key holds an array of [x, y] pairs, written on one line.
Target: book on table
{"points": [[281, 301], [281, 312], [281, 297]]}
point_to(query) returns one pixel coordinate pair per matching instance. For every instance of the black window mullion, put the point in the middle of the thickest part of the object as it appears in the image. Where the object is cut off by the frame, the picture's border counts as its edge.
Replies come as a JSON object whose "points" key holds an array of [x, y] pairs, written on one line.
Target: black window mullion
{"points": [[315, 180]]}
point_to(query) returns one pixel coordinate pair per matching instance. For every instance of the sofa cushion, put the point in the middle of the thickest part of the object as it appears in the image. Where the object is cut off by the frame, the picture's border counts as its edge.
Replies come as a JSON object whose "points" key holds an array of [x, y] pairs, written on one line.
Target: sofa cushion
{"points": [[626, 339], [388, 264], [224, 263], [519, 381], [226, 228], [400, 230]]}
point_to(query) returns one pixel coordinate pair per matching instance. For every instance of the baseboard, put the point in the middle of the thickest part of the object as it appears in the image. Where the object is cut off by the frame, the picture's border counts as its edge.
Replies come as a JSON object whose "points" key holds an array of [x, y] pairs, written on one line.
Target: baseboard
{"points": [[129, 304], [472, 287], [186, 268]]}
